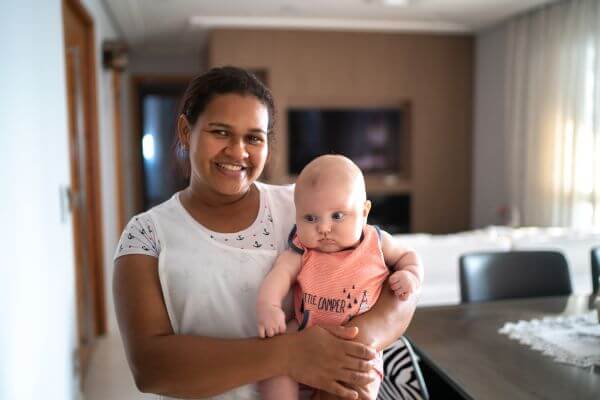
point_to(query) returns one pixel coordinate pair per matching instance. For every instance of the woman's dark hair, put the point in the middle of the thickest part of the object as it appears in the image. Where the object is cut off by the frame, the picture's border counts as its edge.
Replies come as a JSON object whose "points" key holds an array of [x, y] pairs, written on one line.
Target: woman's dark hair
{"points": [[218, 81]]}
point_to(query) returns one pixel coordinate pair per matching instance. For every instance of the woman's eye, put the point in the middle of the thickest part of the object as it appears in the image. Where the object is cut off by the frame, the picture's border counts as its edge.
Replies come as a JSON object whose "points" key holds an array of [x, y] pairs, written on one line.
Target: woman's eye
{"points": [[310, 218], [219, 132], [255, 139], [337, 216]]}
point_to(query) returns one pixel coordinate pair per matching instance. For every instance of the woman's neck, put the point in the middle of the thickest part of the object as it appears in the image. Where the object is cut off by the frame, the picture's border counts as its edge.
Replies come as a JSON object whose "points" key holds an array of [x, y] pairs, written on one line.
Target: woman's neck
{"points": [[221, 213], [204, 197]]}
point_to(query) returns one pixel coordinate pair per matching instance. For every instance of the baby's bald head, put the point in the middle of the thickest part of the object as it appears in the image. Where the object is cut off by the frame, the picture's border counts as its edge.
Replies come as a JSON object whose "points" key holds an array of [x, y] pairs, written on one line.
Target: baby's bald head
{"points": [[332, 171], [331, 204]]}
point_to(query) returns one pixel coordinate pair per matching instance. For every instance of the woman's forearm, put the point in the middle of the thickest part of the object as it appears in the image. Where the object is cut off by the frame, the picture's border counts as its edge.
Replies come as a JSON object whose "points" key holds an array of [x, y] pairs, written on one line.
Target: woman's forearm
{"points": [[386, 321], [192, 367], [183, 365]]}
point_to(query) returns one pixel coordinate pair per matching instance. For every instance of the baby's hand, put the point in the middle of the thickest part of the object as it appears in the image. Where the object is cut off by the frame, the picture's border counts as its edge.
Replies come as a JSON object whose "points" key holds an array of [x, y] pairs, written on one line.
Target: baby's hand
{"points": [[271, 320], [404, 283]]}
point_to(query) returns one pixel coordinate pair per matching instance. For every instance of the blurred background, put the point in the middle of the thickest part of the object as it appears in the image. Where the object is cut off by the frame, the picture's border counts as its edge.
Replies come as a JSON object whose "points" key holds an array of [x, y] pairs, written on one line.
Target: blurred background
{"points": [[461, 113]]}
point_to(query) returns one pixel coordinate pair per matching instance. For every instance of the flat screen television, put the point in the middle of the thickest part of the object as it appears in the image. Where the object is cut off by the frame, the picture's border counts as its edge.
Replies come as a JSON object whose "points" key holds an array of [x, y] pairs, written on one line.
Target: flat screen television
{"points": [[371, 137]]}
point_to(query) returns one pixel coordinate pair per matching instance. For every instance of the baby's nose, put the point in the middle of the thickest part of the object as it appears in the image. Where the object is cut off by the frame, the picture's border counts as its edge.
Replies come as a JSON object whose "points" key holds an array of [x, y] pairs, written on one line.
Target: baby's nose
{"points": [[324, 227]]}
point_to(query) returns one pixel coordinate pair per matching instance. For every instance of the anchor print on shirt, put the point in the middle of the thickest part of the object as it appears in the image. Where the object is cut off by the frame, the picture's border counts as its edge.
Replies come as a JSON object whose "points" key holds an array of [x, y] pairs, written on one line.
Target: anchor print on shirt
{"points": [[143, 238]]}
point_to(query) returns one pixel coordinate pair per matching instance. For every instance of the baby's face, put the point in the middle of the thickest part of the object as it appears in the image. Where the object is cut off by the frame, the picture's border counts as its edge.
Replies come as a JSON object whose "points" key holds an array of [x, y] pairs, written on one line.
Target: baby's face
{"points": [[330, 217]]}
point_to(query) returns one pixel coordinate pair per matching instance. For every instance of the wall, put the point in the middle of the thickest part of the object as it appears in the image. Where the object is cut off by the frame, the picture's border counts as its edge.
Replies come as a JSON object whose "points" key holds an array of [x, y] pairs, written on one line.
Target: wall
{"points": [[37, 293], [490, 191], [37, 286], [165, 63], [433, 72]]}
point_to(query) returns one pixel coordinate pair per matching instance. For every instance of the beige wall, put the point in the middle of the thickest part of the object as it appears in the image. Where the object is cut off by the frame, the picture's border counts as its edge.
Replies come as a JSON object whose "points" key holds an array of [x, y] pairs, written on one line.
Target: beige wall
{"points": [[434, 73]]}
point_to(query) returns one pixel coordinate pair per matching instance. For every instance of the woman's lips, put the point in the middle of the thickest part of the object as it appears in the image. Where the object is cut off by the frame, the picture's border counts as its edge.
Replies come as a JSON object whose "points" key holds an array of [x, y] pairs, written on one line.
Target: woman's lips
{"points": [[230, 169]]}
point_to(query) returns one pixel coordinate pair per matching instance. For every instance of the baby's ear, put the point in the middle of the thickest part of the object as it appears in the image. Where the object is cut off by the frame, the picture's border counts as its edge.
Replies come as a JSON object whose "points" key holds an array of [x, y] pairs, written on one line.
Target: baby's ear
{"points": [[367, 208]]}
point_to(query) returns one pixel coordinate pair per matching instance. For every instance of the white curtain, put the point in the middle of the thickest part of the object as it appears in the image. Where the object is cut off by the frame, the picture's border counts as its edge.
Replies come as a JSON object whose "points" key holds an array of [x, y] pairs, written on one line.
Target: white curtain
{"points": [[553, 115]]}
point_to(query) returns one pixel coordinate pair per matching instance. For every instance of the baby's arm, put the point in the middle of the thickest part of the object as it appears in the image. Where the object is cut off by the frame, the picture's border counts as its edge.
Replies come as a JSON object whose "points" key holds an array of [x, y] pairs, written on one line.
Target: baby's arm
{"points": [[277, 284], [408, 274]]}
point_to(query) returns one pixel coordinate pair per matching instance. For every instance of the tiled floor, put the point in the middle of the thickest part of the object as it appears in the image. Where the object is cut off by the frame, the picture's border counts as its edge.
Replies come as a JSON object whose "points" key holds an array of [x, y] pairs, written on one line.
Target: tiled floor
{"points": [[108, 376]]}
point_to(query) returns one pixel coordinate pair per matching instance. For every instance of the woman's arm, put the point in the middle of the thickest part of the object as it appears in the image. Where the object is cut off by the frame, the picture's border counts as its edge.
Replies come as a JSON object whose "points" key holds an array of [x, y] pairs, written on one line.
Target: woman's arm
{"points": [[193, 366], [386, 321], [379, 327]]}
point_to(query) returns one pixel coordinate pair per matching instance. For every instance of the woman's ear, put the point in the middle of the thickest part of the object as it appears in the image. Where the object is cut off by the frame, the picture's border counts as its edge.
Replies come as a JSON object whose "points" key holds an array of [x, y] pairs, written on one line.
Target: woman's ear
{"points": [[183, 132], [367, 208]]}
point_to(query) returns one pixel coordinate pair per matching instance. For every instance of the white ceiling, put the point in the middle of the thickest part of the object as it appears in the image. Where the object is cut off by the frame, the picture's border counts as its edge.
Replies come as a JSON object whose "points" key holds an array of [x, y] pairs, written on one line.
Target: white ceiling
{"points": [[170, 26]]}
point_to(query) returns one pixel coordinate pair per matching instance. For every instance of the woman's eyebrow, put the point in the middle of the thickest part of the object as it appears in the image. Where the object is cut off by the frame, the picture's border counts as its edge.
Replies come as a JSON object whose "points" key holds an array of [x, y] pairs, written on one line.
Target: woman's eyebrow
{"points": [[219, 125], [223, 125], [257, 130]]}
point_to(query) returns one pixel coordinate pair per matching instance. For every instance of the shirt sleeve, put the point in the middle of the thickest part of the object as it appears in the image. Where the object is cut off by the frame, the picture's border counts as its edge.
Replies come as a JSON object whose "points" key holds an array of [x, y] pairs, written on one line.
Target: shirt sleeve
{"points": [[139, 237]]}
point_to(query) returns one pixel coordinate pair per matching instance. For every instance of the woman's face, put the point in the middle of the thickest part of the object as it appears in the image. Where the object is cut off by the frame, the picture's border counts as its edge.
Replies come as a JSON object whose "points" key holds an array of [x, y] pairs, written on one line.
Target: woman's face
{"points": [[228, 144]]}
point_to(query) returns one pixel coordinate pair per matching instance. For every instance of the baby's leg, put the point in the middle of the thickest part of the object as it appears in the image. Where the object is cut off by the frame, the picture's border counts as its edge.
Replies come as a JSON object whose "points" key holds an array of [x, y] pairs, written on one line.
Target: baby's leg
{"points": [[280, 387]]}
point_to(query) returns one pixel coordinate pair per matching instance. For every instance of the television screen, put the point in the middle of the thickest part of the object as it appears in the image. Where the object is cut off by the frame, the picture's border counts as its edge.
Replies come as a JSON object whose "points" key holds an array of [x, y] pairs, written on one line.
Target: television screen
{"points": [[369, 137]]}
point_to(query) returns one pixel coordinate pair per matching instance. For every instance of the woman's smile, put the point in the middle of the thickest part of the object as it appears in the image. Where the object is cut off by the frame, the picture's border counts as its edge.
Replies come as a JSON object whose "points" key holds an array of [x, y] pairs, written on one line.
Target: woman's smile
{"points": [[233, 170]]}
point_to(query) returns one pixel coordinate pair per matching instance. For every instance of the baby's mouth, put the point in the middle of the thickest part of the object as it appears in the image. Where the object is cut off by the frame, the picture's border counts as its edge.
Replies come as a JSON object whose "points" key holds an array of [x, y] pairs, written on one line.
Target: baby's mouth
{"points": [[327, 241]]}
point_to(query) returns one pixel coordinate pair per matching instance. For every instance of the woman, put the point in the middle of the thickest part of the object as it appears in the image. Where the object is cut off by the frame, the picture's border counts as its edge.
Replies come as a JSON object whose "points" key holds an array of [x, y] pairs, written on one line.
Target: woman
{"points": [[187, 272]]}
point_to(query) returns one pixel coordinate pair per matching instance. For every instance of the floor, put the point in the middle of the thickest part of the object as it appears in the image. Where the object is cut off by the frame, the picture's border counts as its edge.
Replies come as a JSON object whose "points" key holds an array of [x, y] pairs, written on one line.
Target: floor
{"points": [[108, 376]]}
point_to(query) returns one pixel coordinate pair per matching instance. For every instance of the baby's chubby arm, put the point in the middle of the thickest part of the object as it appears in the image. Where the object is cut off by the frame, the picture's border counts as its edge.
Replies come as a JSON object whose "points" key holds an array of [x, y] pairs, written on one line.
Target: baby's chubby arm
{"points": [[408, 274], [277, 284]]}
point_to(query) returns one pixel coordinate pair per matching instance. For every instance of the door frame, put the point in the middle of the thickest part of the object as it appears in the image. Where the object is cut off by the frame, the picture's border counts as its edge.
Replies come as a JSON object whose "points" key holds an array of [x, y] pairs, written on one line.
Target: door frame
{"points": [[92, 175], [137, 81]]}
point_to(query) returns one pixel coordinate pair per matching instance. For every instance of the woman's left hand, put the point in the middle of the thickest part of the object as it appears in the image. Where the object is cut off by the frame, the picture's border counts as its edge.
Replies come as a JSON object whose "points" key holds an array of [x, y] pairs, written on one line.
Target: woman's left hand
{"points": [[368, 391]]}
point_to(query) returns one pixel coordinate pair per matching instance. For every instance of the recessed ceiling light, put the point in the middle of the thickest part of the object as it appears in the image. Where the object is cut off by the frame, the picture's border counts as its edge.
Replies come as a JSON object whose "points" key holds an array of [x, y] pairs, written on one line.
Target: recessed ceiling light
{"points": [[392, 3]]}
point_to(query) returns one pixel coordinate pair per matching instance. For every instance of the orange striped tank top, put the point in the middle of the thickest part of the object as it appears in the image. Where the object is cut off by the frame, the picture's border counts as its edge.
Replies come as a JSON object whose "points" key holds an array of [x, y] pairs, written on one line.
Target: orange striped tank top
{"points": [[332, 288]]}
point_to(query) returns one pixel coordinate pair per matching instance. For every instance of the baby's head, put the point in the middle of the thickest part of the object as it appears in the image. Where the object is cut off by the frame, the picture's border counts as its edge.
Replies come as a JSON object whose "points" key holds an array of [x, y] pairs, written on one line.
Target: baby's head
{"points": [[331, 204]]}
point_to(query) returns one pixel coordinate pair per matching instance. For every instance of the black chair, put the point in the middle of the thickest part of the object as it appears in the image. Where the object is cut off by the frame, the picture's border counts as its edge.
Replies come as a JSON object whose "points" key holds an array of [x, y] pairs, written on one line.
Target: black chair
{"points": [[513, 274], [595, 269]]}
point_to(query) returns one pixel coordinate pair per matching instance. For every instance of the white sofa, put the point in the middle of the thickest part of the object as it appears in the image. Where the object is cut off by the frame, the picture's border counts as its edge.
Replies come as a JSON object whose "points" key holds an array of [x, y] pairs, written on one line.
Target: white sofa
{"points": [[440, 254]]}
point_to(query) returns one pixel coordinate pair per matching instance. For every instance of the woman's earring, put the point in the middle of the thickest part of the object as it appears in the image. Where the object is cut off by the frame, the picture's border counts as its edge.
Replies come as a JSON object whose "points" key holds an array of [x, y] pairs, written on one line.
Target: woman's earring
{"points": [[183, 151]]}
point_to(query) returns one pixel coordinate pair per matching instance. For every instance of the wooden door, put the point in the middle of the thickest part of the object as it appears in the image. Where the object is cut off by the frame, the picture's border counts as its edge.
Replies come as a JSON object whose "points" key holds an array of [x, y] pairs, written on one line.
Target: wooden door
{"points": [[85, 190]]}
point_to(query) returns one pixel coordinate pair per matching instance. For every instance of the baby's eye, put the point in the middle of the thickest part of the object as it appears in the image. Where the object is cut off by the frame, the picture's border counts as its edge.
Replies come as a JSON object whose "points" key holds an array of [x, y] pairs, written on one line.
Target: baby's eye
{"points": [[337, 216], [310, 218]]}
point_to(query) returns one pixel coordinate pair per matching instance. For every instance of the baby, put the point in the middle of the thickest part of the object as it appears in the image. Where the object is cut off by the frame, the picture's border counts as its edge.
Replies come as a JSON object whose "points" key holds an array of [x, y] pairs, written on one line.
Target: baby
{"points": [[338, 262]]}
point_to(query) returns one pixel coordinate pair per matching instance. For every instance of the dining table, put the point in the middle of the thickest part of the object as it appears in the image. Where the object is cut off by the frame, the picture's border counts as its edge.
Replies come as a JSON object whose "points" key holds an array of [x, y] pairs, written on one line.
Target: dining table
{"points": [[461, 343]]}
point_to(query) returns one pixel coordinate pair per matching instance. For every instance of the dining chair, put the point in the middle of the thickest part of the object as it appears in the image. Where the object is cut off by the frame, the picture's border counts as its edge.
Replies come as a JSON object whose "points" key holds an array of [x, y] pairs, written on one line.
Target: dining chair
{"points": [[403, 379], [513, 274], [595, 269]]}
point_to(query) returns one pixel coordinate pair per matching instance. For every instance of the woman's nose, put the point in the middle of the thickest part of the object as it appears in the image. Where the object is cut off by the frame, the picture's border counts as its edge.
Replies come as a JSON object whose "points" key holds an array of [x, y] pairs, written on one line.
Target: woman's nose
{"points": [[236, 149]]}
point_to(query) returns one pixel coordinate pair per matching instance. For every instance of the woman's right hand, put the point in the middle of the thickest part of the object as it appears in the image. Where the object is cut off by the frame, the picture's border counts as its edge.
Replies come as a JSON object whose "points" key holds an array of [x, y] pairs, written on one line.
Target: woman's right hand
{"points": [[325, 357]]}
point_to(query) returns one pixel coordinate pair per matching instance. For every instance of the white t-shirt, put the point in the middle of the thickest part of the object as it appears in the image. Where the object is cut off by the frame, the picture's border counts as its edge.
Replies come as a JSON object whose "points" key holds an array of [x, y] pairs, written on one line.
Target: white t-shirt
{"points": [[209, 286], [139, 236]]}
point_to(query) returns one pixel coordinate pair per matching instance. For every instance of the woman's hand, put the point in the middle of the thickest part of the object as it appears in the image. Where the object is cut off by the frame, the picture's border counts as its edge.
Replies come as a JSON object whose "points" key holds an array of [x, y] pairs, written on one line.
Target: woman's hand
{"points": [[326, 357], [366, 391]]}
